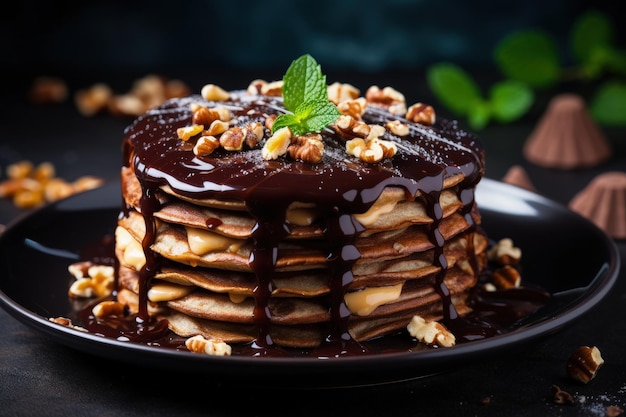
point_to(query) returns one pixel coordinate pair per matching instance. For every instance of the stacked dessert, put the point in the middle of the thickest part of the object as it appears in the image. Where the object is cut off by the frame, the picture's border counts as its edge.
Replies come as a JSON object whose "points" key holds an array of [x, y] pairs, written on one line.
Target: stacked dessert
{"points": [[298, 215]]}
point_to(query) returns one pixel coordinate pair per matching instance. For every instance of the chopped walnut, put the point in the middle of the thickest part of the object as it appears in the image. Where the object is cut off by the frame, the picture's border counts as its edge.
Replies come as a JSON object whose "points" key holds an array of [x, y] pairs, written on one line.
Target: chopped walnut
{"points": [[277, 144], [186, 132], [269, 121], [371, 149], [354, 108], [340, 92], [108, 309], [388, 98], [94, 99], [213, 92], [506, 277], [397, 128], [206, 145], [31, 186], [127, 105], [91, 280], [430, 332], [349, 127], [254, 88], [198, 344], [421, 113], [48, 90], [275, 88], [204, 116], [307, 148], [253, 133], [505, 253], [64, 321], [232, 139], [561, 397], [86, 182], [583, 363], [614, 411], [217, 127]]}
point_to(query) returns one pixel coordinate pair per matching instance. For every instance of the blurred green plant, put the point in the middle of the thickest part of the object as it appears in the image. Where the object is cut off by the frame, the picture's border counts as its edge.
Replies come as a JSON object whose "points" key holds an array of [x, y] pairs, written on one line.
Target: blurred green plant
{"points": [[529, 62]]}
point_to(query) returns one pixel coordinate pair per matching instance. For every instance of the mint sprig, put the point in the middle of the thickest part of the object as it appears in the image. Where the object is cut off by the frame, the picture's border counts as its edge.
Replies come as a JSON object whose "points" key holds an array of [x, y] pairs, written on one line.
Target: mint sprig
{"points": [[305, 96]]}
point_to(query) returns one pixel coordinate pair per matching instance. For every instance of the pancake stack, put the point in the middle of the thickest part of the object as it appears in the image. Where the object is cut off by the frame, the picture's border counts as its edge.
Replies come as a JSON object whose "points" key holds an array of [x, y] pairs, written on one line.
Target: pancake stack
{"points": [[323, 244]]}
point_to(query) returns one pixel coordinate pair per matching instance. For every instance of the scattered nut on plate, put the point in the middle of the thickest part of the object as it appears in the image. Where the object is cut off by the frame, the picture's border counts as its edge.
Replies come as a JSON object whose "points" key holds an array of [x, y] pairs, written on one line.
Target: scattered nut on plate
{"points": [[583, 363]]}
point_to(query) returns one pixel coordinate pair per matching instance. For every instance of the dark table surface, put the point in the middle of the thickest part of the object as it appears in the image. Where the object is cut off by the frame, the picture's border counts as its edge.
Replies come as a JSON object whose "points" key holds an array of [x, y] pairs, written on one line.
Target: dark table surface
{"points": [[41, 377]]}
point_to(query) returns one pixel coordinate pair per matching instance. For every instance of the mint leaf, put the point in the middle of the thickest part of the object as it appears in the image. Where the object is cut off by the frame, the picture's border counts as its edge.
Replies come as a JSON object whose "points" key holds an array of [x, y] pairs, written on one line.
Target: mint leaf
{"points": [[608, 104], [591, 31], [529, 56], [303, 82], [305, 94], [285, 120], [311, 116], [510, 100], [616, 61], [316, 115], [453, 87], [479, 115]]}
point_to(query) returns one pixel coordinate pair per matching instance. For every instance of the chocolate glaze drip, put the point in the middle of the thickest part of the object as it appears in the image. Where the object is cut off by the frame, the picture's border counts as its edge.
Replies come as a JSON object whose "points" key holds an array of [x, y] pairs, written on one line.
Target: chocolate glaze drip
{"points": [[339, 185]]}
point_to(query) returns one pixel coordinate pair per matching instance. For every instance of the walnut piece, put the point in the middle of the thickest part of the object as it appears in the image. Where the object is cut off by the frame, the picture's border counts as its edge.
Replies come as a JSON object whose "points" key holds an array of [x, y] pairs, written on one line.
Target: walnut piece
{"points": [[198, 344], [277, 144], [307, 148], [47, 90], [91, 280], [108, 309], [186, 132], [206, 145], [614, 411], [421, 113], [561, 397], [31, 186], [583, 363], [350, 127], [506, 277], [397, 128], [387, 98], [213, 92], [505, 253], [275, 88], [431, 333], [232, 139], [341, 92], [93, 100], [64, 321], [371, 150]]}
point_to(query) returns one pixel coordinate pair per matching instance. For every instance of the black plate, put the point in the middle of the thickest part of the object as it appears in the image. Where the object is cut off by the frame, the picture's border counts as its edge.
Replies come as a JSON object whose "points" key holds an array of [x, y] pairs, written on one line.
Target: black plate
{"points": [[562, 252]]}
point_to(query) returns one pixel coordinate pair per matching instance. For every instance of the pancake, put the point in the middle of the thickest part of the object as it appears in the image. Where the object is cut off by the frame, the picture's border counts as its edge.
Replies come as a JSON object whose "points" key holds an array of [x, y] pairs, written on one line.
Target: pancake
{"points": [[318, 246]]}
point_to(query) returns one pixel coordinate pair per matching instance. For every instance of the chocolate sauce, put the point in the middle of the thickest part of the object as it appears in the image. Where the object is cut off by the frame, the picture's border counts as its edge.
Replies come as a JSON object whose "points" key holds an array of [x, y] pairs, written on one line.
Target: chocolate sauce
{"points": [[339, 185]]}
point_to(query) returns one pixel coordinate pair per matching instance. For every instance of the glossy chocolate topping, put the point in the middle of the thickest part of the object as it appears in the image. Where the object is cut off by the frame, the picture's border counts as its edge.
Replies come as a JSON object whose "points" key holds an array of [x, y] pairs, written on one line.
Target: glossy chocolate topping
{"points": [[424, 158]]}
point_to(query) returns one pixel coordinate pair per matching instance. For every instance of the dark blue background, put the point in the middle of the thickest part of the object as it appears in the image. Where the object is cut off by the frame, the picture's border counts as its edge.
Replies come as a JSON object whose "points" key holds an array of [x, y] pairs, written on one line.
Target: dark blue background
{"points": [[267, 35]]}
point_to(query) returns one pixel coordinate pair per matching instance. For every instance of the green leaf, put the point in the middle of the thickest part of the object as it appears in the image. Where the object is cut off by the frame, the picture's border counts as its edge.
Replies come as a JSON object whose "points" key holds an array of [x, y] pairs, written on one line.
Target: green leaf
{"points": [[453, 87], [529, 56], [311, 116], [591, 30], [479, 115], [285, 120], [315, 115], [616, 61], [303, 82], [510, 100], [305, 94], [608, 106]]}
